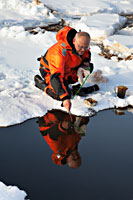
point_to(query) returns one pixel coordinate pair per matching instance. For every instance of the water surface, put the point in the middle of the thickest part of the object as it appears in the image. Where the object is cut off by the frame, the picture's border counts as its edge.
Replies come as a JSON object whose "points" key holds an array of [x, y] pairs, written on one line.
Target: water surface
{"points": [[106, 172]]}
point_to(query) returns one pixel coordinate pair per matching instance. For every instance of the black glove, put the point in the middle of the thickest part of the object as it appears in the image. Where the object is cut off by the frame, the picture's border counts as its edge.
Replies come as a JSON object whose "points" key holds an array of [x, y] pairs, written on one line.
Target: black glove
{"points": [[91, 68]]}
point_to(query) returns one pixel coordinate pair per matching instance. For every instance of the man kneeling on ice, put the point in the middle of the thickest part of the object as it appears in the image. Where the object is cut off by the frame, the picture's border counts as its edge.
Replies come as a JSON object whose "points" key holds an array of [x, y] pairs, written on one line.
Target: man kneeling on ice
{"points": [[60, 64]]}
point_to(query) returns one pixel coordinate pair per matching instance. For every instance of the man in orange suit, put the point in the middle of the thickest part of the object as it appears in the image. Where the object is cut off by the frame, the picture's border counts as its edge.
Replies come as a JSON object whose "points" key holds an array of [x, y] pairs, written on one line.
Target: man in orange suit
{"points": [[60, 63]]}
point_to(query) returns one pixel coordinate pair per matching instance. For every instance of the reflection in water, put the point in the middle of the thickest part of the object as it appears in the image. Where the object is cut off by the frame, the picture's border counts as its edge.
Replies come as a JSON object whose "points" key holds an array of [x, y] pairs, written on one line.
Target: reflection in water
{"points": [[122, 111], [119, 111], [62, 133]]}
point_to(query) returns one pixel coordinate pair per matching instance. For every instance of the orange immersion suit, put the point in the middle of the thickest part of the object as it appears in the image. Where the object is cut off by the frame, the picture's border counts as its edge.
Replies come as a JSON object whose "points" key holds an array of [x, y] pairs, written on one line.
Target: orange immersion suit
{"points": [[60, 63]]}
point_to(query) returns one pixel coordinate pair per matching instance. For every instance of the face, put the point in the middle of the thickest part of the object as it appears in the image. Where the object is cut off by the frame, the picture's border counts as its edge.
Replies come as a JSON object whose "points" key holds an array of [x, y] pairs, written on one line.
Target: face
{"points": [[81, 45]]}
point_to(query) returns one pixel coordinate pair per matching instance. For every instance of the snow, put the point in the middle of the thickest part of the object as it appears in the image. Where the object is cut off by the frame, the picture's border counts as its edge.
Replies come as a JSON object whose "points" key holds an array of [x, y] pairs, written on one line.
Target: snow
{"points": [[11, 192], [97, 27], [19, 98]]}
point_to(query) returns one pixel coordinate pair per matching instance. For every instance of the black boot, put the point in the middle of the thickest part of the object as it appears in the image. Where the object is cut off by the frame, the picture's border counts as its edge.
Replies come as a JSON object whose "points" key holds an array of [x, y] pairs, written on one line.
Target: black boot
{"points": [[84, 91], [39, 82]]}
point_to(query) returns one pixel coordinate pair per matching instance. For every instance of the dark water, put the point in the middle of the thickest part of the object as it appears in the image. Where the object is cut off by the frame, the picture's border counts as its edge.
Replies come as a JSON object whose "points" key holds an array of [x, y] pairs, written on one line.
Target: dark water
{"points": [[106, 172]]}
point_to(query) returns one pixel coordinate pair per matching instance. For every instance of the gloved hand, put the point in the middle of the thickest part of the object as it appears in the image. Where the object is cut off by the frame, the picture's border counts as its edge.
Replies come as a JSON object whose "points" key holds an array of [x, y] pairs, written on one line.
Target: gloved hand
{"points": [[88, 66], [91, 67]]}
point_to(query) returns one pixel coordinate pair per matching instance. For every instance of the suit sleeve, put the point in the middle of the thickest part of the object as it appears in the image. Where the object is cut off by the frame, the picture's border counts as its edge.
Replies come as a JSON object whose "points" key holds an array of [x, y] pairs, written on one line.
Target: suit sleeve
{"points": [[56, 66]]}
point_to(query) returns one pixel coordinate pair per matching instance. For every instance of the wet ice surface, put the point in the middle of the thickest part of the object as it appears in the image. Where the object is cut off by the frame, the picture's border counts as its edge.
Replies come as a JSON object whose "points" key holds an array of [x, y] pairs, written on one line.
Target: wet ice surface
{"points": [[105, 173]]}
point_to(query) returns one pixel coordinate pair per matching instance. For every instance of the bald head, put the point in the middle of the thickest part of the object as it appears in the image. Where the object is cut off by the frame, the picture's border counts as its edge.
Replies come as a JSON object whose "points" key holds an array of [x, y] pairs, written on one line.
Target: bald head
{"points": [[74, 163], [74, 159], [81, 42], [85, 35]]}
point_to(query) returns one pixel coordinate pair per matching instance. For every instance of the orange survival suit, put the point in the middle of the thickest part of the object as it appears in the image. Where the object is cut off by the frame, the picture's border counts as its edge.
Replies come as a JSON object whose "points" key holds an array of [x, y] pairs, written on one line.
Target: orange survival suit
{"points": [[62, 141], [60, 63]]}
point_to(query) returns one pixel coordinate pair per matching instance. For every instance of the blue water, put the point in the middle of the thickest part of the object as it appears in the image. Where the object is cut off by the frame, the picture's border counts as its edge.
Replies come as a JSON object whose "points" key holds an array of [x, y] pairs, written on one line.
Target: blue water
{"points": [[106, 172]]}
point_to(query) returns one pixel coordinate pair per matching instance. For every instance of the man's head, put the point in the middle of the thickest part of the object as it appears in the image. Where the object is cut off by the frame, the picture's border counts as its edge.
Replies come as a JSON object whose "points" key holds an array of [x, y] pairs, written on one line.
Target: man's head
{"points": [[74, 159], [81, 42]]}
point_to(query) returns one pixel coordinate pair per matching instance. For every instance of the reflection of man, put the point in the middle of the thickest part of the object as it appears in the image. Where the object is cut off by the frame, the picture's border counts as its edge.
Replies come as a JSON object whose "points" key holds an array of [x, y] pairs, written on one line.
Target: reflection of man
{"points": [[63, 134]]}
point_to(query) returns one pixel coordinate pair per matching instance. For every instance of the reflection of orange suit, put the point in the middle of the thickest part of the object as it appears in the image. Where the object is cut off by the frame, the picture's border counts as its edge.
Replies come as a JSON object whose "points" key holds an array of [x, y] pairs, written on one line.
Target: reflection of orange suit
{"points": [[61, 141]]}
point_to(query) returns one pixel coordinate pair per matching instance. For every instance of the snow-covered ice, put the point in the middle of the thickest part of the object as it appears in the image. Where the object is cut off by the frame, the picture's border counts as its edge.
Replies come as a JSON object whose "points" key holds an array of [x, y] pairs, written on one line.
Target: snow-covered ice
{"points": [[11, 192], [19, 98]]}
